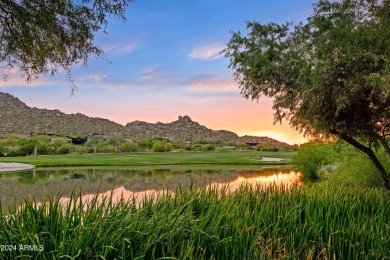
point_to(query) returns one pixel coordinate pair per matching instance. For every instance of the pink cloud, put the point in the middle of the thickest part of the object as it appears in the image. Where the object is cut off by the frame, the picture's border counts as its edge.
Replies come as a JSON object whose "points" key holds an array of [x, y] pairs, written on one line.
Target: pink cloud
{"points": [[212, 83], [207, 52], [16, 80]]}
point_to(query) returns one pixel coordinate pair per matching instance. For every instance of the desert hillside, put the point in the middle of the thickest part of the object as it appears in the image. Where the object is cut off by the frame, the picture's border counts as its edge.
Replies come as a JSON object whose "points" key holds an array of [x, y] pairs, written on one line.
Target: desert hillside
{"points": [[18, 118]]}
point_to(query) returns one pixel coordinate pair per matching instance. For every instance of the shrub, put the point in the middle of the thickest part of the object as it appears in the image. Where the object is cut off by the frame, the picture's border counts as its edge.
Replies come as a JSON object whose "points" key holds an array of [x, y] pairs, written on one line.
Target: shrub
{"points": [[196, 147], [311, 157], [207, 147], [129, 146], [12, 153], [241, 145], [58, 142], [145, 144], [268, 147], [168, 146], [110, 149], [64, 149], [159, 146], [27, 147], [81, 149], [179, 145], [162, 146], [12, 140]]}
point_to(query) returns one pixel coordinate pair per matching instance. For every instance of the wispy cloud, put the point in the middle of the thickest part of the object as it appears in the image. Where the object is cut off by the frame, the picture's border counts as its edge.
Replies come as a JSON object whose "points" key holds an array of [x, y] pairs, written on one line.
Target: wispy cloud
{"points": [[150, 73], [208, 82], [124, 47], [207, 52], [121, 48]]}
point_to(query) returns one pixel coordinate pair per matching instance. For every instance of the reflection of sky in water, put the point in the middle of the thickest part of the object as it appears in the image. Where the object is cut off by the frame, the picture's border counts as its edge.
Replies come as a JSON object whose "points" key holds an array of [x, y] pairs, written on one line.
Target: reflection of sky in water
{"points": [[277, 179]]}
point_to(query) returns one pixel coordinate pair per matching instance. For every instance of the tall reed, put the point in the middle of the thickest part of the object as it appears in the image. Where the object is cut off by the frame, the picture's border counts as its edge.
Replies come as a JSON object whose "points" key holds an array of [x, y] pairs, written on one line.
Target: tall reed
{"points": [[318, 222]]}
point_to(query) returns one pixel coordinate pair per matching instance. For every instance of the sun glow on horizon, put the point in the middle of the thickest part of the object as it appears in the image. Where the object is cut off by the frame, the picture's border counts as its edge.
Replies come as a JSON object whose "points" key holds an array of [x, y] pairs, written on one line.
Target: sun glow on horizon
{"points": [[287, 137]]}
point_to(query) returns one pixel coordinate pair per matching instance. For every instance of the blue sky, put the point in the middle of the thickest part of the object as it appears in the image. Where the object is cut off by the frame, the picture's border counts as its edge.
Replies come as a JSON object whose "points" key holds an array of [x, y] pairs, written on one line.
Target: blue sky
{"points": [[165, 62]]}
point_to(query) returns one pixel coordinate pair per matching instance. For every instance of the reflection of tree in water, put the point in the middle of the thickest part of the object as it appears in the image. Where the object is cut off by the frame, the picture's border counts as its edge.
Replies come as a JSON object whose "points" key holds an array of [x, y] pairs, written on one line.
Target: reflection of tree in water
{"points": [[38, 183]]}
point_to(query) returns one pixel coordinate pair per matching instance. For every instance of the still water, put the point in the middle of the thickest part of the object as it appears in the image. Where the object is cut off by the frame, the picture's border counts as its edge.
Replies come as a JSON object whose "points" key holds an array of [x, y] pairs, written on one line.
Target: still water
{"points": [[134, 182]]}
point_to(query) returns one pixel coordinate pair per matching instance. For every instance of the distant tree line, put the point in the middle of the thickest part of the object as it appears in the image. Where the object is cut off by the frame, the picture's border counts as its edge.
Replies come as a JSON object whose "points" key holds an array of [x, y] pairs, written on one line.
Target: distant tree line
{"points": [[15, 145]]}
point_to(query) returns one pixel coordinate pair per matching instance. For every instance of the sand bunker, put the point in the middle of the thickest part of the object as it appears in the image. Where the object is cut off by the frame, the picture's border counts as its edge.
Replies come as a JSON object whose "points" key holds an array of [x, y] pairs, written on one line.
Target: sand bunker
{"points": [[7, 167]]}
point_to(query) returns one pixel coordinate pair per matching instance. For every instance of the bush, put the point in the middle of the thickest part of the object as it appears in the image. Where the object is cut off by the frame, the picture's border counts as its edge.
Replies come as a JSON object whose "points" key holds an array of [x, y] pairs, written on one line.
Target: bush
{"points": [[207, 147], [268, 147], [162, 146], [110, 149], [12, 140], [311, 157], [82, 149], [12, 153], [145, 144], [168, 147], [196, 147], [129, 146], [179, 145], [241, 145], [58, 142], [64, 149]]}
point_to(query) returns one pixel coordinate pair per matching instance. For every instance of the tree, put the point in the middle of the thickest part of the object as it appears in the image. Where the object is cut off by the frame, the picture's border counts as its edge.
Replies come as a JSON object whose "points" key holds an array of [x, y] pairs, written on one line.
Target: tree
{"points": [[328, 77], [41, 37]]}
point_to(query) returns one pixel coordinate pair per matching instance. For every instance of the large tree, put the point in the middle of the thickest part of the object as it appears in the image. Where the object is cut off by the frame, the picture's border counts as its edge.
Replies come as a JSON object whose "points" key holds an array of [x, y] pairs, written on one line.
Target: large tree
{"points": [[329, 76], [41, 36]]}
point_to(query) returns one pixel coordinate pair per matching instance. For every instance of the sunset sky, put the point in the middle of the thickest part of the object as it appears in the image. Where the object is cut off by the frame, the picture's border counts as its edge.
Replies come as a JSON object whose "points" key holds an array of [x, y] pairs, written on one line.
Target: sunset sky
{"points": [[165, 62]]}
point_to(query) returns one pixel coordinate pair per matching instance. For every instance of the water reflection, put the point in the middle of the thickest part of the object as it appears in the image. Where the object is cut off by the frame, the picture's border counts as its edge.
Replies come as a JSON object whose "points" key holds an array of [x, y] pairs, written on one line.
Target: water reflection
{"points": [[131, 182]]}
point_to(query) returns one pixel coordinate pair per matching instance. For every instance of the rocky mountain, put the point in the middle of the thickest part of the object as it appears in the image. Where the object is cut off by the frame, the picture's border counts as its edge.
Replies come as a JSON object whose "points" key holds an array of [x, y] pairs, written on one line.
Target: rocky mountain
{"points": [[182, 129], [18, 118]]}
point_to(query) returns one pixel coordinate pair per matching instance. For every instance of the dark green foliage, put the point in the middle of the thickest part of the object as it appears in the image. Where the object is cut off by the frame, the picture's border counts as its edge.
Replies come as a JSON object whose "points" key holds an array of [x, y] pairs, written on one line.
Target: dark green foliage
{"points": [[311, 157], [145, 144], [12, 153], [64, 149], [28, 146], [207, 147], [321, 222], [328, 77], [40, 37], [179, 145], [270, 147], [195, 147], [205, 142]]}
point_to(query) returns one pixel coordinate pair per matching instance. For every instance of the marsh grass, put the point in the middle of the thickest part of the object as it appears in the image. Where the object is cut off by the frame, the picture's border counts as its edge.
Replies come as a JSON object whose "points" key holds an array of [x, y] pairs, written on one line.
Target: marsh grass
{"points": [[317, 222]]}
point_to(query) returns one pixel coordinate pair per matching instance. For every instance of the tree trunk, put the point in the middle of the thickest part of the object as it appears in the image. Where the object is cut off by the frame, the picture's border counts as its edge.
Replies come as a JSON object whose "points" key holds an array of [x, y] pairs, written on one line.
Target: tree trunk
{"points": [[371, 155], [385, 145]]}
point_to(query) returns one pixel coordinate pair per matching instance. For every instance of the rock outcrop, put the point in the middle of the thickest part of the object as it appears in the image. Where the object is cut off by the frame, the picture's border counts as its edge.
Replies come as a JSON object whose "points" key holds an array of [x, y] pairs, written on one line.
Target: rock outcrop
{"points": [[182, 129]]}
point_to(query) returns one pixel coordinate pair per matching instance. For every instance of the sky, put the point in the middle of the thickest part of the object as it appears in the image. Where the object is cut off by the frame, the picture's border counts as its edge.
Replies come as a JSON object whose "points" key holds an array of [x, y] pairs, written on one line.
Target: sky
{"points": [[165, 61]]}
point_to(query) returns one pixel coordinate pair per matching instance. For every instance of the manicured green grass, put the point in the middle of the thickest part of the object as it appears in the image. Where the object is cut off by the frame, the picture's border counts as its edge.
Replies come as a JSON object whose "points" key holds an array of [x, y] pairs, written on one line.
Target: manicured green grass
{"points": [[318, 222], [249, 157]]}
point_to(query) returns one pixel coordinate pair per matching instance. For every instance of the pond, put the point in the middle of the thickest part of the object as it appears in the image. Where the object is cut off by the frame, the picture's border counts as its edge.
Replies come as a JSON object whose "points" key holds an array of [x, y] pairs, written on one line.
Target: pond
{"points": [[135, 181]]}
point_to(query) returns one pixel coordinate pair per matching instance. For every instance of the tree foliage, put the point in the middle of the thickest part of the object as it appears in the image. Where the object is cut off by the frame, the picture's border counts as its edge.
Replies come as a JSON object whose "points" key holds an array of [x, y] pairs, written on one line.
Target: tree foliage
{"points": [[41, 37], [329, 76]]}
